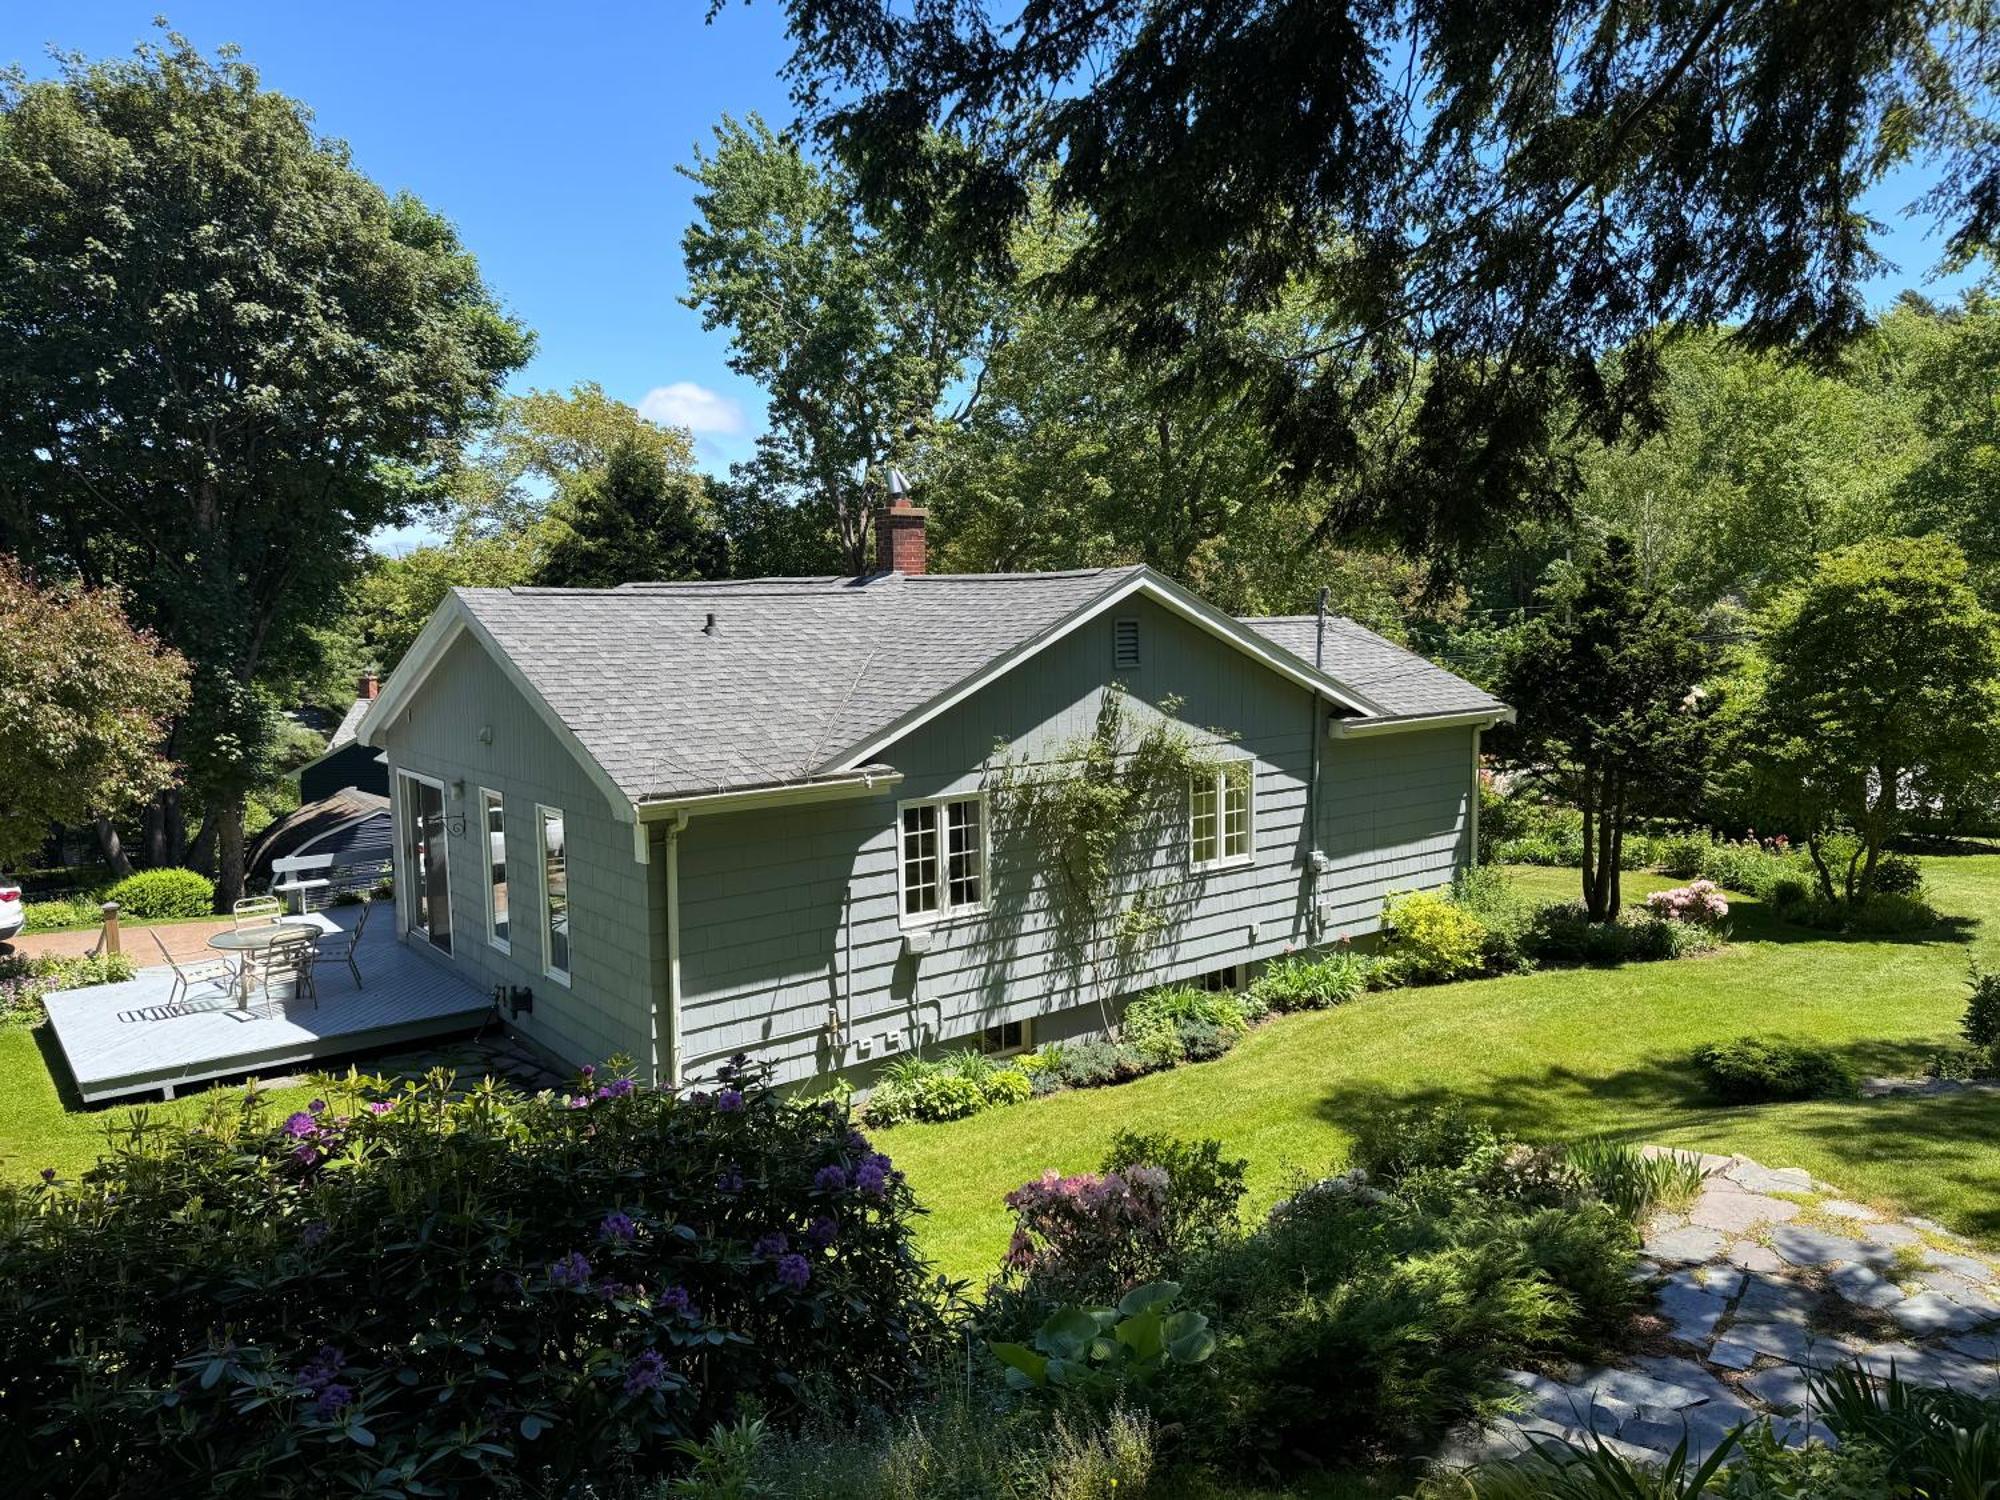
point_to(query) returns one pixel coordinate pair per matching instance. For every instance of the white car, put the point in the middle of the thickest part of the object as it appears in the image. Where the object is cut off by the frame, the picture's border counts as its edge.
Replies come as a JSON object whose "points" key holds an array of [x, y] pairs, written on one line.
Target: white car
{"points": [[13, 913]]}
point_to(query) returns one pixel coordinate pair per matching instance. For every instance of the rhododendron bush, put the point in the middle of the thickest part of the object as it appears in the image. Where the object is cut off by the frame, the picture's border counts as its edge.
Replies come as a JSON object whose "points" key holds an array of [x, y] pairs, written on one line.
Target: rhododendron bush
{"points": [[1091, 1236], [433, 1287], [1699, 902]]}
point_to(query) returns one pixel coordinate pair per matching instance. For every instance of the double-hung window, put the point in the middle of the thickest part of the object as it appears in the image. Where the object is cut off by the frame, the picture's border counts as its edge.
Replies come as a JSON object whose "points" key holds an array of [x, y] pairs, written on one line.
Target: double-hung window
{"points": [[555, 892], [493, 825], [942, 854], [1219, 814]]}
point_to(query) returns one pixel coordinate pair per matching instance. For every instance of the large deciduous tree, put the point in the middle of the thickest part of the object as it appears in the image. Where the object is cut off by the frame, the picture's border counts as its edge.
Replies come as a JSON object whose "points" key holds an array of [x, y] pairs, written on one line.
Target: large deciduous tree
{"points": [[85, 701], [226, 357], [1874, 693], [853, 334], [1505, 192], [1606, 683]]}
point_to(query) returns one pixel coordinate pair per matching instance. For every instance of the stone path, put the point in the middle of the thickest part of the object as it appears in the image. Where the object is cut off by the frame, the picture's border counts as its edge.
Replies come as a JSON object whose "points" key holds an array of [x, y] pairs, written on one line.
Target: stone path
{"points": [[1766, 1275]]}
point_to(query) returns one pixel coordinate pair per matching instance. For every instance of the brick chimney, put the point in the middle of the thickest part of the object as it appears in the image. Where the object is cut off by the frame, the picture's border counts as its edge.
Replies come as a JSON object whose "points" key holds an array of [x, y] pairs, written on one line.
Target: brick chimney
{"points": [[368, 686], [899, 530]]}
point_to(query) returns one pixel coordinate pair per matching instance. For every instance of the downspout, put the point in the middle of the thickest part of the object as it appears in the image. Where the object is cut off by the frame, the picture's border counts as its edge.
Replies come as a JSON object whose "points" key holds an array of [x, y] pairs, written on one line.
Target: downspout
{"points": [[674, 827], [1472, 857], [1312, 785]]}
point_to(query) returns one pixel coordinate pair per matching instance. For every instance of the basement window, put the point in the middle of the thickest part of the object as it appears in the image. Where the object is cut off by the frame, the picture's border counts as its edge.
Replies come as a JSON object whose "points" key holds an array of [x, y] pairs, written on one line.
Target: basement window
{"points": [[1006, 1039], [1223, 981]]}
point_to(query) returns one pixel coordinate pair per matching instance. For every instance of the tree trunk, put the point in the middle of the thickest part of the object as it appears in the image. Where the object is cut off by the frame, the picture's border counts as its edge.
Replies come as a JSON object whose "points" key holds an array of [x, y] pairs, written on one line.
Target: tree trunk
{"points": [[114, 849], [1607, 857], [228, 818], [1588, 803], [1819, 865], [153, 828], [176, 826], [1615, 865], [200, 855]]}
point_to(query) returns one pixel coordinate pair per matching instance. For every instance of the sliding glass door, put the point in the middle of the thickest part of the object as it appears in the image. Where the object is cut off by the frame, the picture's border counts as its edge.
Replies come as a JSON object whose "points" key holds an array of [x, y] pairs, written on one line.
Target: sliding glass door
{"points": [[426, 861]]}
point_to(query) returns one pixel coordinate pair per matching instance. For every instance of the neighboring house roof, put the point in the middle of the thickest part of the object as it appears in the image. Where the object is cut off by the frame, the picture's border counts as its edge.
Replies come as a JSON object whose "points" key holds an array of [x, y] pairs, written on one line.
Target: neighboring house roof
{"points": [[1404, 684], [305, 825], [669, 691], [344, 734]]}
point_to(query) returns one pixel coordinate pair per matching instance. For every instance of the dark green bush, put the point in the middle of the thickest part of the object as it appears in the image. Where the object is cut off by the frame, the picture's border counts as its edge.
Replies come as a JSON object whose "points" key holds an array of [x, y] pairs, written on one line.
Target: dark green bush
{"points": [[1203, 1041], [1981, 1025], [1562, 933], [1879, 915], [1752, 1070], [1392, 1145], [1092, 1064], [1898, 875], [457, 1291], [1347, 1323], [162, 895]]}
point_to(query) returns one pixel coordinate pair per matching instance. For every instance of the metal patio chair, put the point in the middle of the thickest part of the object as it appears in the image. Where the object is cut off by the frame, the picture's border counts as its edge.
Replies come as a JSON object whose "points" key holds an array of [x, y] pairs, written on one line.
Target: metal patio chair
{"points": [[328, 945], [257, 911], [219, 972], [289, 959]]}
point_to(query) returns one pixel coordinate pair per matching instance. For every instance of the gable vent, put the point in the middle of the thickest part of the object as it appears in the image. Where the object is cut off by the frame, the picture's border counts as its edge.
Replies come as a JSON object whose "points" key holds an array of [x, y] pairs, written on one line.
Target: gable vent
{"points": [[1124, 644]]}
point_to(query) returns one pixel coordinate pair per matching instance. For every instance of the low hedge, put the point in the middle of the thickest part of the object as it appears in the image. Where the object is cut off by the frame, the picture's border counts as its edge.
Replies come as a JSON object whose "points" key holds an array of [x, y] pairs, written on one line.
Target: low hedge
{"points": [[1756, 1070], [164, 895], [433, 1292]]}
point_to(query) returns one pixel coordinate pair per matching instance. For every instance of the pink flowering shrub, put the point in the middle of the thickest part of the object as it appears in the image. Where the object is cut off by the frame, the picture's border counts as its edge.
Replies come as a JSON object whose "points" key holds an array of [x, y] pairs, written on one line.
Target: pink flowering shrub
{"points": [[1699, 903], [1090, 1237], [444, 1290]]}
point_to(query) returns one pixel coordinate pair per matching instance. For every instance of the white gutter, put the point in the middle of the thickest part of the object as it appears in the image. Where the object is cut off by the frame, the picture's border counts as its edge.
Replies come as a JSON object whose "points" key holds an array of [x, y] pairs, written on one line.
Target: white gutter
{"points": [[863, 783], [1356, 729]]}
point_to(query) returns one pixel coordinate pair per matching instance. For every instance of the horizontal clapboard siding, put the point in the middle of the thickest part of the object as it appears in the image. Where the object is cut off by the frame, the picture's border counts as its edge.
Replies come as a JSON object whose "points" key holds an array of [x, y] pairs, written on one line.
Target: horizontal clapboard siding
{"points": [[790, 921]]}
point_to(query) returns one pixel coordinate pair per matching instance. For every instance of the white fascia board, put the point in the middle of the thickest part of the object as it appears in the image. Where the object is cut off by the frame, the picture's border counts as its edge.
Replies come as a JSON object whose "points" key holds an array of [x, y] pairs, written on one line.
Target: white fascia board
{"points": [[792, 794], [1357, 729], [454, 618], [1145, 583]]}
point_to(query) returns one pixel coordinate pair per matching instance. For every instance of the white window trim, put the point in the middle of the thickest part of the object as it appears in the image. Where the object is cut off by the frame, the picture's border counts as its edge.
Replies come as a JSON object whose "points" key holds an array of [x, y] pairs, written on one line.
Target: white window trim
{"points": [[945, 911], [549, 969], [1027, 1025], [493, 938], [406, 884], [1227, 861]]}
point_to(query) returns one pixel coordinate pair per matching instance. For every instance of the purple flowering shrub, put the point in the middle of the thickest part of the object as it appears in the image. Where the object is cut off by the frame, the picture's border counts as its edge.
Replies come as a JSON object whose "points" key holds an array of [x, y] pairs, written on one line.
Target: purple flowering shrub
{"points": [[443, 1286], [1089, 1237]]}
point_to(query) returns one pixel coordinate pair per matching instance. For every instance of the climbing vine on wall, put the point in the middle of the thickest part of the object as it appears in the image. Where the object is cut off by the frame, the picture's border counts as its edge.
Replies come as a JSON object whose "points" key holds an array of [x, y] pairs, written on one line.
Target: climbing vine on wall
{"points": [[1097, 820]]}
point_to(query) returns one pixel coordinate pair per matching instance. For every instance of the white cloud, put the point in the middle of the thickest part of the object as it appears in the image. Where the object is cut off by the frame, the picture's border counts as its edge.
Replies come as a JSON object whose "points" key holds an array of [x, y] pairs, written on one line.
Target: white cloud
{"points": [[695, 407]]}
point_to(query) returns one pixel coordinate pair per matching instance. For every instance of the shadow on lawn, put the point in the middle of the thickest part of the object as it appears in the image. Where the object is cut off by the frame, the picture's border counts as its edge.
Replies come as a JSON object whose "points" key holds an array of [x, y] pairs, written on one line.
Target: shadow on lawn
{"points": [[1750, 921], [1950, 1141]]}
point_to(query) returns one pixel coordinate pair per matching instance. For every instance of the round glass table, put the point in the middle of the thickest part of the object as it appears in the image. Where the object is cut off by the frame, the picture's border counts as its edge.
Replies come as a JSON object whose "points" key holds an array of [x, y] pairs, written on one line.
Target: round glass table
{"points": [[250, 941]]}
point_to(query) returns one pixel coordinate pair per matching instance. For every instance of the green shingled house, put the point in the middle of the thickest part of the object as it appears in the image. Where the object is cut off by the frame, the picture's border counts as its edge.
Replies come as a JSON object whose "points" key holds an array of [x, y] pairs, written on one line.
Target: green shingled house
{"points": [[679, 821]]}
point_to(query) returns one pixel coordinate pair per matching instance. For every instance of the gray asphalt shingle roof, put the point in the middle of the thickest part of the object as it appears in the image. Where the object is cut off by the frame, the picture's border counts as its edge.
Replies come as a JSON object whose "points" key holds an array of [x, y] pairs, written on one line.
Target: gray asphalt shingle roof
{"points": [[799, 672], [1404, 684], [796, 671]]}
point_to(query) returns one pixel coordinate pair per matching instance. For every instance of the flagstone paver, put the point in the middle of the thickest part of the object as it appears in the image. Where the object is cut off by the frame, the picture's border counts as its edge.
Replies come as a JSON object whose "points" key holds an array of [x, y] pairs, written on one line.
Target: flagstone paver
{"points": [[1754, 1291]]}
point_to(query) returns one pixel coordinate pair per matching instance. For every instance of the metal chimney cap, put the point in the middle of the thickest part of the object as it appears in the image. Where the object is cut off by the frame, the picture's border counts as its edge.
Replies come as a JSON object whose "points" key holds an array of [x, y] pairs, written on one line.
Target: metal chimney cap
{"points": [[899, 484]]}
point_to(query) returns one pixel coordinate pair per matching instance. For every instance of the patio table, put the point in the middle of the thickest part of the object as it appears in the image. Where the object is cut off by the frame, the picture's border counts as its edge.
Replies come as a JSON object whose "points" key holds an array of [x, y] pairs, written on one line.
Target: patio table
{"points": [[253, 940]]}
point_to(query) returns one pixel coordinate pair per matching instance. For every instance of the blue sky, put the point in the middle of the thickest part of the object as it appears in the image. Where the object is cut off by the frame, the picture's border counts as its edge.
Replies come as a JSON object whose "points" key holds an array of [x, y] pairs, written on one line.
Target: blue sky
{"points": [[549, 134]]}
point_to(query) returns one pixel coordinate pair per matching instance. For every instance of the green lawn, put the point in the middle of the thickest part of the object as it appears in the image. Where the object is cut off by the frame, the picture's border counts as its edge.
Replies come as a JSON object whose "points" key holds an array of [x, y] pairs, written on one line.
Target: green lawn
{"points": [[1553, 1055], [41, 1127]]}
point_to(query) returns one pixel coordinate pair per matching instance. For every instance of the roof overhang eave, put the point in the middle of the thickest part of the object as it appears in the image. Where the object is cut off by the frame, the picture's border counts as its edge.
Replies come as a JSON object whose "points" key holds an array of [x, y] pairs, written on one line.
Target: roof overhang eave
{"points": [[864, 782], [1472, 718]]}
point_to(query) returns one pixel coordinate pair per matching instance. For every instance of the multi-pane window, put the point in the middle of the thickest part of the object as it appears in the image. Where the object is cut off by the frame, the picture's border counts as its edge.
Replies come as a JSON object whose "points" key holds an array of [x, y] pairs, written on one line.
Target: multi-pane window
{"points": [[943, 857], [1219, 815], [1006, 1037], [493, 820], [555, 893]]}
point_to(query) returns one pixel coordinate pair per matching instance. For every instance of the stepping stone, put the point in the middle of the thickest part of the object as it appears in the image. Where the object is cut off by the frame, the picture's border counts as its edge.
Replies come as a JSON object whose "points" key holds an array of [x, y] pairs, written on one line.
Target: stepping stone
{"points": [[1891, 1235], [1931, 1226], [1569, 1405], [1760, 1179], [1983, 1348], [1776, 1298], [1959, 1265], [1728, 1208], [1804, 1246], [1844, 1209], [1692, 1311], [1796, 1432], [1958, 1289], [1690, 1375], [1637, 1389], [1793, 1343], [1934, 1312], [1690, 1243], [1752, 1256], [1862, 1287], [1783, 1387]]}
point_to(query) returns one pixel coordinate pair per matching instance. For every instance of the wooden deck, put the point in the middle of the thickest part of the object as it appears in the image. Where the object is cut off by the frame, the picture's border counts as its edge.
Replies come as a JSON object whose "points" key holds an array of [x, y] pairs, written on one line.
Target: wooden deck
{"points": [[120, 1039]]}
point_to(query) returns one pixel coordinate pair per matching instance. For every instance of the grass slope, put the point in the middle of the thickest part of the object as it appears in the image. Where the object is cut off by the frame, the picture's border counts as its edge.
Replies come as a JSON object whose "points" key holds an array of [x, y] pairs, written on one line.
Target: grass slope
{"points": [[1559, 1054]]}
